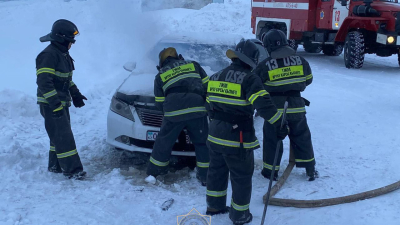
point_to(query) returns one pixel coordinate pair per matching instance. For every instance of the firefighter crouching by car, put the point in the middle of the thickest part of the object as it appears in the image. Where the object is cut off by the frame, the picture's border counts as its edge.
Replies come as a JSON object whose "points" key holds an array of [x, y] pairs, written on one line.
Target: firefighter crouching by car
{"points": [[285, 75], [232, 95], [55, 87], [180, 90]]}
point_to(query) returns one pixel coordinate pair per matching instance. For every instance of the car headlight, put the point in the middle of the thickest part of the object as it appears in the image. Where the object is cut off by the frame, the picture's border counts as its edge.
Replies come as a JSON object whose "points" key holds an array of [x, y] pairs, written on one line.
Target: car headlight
{"points": [[121, 108], [390, 39]]}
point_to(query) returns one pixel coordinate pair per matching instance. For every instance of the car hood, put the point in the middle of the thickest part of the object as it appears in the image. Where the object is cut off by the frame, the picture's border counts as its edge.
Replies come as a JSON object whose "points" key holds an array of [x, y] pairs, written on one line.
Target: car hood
{"points": [[138, 84]]}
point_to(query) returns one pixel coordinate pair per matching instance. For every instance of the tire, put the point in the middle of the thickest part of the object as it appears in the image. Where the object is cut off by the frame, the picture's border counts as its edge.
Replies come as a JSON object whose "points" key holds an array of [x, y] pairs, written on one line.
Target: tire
{"points": [[354, 48], [332, 50], [292, 44], [312, 48]]}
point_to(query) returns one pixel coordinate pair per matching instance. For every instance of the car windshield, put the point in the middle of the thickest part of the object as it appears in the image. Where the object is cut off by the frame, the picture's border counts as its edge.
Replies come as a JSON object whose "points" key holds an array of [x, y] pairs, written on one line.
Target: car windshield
{"points": [[209, 55]]}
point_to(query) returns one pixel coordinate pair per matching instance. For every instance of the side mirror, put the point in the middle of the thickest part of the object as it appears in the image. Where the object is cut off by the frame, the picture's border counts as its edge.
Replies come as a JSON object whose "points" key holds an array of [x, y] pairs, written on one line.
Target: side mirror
{"points": [[343, 2], [130, 66]]}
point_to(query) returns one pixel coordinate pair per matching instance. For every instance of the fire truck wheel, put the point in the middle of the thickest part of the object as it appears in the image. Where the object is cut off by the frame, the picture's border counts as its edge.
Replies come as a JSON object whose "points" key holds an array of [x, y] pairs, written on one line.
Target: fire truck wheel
{"points": [[354, 47], [312, 48], [292, 44], [332, 50]]}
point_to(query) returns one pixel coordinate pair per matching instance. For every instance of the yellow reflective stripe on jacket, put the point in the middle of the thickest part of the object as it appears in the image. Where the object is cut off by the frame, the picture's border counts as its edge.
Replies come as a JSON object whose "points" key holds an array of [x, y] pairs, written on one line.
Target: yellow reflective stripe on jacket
{"points": [[160, 99], [172, 81], [286, 72], [267, 166], [50, 94], [285, 82], [205, 80], [64, 75], [67, 154], [224, 88], [309, 77], [239, 207], [185, 111], [304, 160], [71, 83], [158, 163], [43, 100], [169, 74], [202, 165], [52, 148], [275, 118], [58, 109], [294, 110], [217, 193], [233, 144], [45, 70], [229, 101], [253, 97]]}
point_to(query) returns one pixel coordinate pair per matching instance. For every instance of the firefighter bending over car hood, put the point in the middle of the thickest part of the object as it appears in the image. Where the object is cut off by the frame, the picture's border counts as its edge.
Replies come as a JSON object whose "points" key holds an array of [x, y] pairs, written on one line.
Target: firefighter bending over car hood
{"points": [[180, 92]]}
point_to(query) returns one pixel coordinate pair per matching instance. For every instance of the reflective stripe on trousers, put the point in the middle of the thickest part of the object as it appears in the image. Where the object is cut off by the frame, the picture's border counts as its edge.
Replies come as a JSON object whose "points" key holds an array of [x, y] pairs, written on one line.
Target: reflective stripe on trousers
{"points": [[267, 166], [234, 144], [67, 154], [217, 193], [185, 111], [202, 165], [158, 163], [304, 160], [239, 207]]}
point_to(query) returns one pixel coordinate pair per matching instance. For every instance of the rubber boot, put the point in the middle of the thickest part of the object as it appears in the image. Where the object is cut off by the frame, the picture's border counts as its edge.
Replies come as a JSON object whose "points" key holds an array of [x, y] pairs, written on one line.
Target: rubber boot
{"points": [[247, 220], [76, 176], [212, 212], [267, 174], [312, 173]]}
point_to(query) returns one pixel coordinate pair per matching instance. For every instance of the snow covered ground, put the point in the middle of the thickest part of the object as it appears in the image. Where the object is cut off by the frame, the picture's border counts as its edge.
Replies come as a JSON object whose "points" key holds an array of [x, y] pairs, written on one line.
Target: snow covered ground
{"points": [[353, 119]]}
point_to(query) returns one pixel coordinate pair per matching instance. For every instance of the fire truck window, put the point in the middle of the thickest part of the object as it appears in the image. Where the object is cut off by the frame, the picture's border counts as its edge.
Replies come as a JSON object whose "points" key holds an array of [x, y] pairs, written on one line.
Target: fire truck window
{"points": [[325, 0]]}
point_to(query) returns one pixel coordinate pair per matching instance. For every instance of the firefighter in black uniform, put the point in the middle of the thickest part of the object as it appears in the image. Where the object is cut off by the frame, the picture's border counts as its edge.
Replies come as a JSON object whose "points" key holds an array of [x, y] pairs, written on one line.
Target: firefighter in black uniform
{"points": [[232, 95], [54, 68], [285, 75], [180, 90]]}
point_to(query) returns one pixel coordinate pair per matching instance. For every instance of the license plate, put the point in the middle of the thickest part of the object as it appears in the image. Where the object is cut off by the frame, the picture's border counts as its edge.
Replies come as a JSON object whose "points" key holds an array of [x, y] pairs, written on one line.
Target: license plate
{"points": [[151, 135]]}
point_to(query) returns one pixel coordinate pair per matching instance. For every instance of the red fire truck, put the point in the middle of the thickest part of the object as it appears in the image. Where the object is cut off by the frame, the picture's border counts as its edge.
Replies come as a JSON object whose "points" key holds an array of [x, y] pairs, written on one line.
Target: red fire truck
{"points": [[357, 26]]}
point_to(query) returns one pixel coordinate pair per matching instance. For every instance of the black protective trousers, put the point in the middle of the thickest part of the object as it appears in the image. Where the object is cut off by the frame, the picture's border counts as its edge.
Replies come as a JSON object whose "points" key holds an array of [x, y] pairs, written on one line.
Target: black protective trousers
{"points": [[241, 168], [63, 156], [169, 133], [300, 139]]}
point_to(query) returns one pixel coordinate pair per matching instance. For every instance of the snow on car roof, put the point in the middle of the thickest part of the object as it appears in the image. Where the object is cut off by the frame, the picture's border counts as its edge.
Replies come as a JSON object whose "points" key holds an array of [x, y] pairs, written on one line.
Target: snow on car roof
{"points": [[202, 38]]}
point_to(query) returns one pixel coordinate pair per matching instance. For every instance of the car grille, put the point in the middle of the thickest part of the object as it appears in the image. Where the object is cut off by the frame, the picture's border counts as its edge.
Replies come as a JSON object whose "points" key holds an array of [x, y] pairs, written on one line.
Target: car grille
{"points": [[150, 117]]}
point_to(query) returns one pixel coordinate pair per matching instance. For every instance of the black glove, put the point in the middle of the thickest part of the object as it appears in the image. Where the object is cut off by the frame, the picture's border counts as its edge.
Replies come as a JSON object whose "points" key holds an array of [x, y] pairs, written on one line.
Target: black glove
{"points": [[78, 100], [282, 132], [58, 114]]}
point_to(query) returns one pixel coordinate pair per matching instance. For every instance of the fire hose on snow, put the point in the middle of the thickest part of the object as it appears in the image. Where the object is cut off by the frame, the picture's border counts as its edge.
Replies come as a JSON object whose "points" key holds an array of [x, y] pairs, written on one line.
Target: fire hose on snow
{"points": [[269, 199]]}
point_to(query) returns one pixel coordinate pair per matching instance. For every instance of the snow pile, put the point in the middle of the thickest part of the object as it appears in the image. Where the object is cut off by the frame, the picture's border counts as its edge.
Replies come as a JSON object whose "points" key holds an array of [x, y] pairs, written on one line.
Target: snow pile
{"points": [[353, 119]]}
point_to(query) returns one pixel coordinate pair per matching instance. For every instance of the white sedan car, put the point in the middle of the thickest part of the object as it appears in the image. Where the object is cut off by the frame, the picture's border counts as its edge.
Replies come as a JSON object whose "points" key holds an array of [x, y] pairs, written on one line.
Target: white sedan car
{"points": [[133, 120]]}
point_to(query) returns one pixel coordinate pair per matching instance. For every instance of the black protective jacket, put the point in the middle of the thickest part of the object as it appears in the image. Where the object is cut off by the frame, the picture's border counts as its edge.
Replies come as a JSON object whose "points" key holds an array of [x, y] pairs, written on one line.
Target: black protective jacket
{"points": [[180, 90], [284, 79], [54, 68], [235, 92]]}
